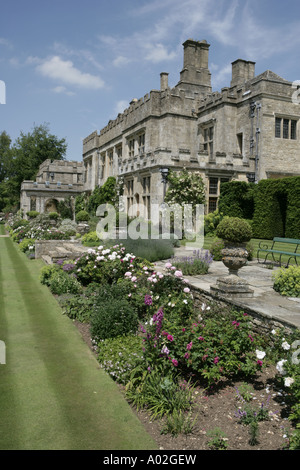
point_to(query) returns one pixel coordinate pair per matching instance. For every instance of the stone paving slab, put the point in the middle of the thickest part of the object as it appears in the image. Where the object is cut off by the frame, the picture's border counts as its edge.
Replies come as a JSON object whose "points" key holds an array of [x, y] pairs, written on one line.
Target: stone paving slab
{"points": [[264, 301]]}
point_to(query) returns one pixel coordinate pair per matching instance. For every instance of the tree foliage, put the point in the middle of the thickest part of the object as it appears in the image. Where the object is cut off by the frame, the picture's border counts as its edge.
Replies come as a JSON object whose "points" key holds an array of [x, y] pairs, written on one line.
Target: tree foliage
{"points": [[185, 187], [21, 160]]}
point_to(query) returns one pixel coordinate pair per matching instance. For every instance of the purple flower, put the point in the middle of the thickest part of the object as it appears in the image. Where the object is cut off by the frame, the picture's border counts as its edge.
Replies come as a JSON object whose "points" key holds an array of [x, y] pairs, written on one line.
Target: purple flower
{"points": [[148, 300]]}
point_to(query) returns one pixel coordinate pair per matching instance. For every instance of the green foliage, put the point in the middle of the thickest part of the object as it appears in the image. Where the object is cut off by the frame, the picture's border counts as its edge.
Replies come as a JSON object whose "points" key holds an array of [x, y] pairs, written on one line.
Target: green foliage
{"points": [[63, 283], [287, 281], [107, 193], [26, 245], [120, 355], [185, 187], [65, 208], [152, 250], [193, 265], [211, 221], [234, 229], [216, 248], [78, 307], [47, 272], [82, 216], [111, 319], [32, 214], [277, 208], [218, 439], [53, 215], [90, 239], [159, 392], [21, 160], [236, 199]]}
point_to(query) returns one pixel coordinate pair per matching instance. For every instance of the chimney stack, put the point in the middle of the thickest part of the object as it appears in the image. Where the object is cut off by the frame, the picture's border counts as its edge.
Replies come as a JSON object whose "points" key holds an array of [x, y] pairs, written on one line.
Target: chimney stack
{"points": [[164, 81], [242, 71]]}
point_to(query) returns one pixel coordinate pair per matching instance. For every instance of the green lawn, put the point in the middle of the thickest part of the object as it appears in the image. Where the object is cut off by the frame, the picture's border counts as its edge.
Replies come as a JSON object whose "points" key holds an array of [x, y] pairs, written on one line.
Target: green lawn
{"points": [[53, 393]]}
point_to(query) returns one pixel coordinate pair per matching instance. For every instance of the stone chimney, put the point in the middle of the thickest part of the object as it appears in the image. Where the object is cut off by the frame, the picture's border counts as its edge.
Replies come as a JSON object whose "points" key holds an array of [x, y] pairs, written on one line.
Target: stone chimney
{"points": [[164, 81], [242, 71], [195, 65]]}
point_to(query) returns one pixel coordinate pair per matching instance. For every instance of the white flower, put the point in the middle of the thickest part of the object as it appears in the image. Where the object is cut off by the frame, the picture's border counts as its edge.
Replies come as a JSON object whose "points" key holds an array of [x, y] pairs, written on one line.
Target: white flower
{"points": [[186, 290], [288, 381], [279, 367], [273, 332], [185, 301], [260, 354], [285, 345]]}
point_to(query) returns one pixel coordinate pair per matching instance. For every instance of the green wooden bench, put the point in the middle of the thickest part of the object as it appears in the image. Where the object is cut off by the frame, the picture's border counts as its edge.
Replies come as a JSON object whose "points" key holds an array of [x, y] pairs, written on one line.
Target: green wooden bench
{"points": [[279, 247]]}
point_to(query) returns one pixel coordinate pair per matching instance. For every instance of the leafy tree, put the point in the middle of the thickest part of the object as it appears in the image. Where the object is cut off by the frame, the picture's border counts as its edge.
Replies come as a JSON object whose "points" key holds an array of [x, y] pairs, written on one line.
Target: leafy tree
{"points": [[103, 194], [185, 187], [21, 161]]}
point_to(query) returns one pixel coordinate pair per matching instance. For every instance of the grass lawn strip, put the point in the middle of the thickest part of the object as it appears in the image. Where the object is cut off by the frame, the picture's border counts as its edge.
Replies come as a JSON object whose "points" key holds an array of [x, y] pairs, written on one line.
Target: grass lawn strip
{"points": [[54, 395]]}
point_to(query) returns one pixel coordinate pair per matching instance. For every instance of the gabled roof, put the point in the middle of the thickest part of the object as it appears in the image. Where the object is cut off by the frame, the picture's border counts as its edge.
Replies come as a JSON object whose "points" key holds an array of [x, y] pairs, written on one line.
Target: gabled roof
{"points": [[269, 75]]}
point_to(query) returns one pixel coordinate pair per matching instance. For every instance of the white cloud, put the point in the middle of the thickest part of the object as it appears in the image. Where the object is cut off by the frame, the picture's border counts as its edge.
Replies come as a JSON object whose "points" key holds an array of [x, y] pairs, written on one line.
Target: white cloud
{"points": [[65, 72], [120, 61], [62, 89], [159, 53]]}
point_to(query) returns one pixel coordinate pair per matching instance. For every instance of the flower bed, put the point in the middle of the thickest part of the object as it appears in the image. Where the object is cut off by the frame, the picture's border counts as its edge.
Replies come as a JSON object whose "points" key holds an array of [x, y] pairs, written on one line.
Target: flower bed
{"points": [[168, 346]]}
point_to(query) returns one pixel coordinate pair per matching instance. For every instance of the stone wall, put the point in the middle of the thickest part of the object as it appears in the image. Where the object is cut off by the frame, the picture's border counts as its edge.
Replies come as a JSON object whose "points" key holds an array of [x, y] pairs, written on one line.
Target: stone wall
{"points": [[261, 323]]}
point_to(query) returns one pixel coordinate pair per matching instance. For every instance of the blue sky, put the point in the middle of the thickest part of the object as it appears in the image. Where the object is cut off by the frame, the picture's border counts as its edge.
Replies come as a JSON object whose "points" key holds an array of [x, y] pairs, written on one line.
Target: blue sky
{"points": [[76, 64]]}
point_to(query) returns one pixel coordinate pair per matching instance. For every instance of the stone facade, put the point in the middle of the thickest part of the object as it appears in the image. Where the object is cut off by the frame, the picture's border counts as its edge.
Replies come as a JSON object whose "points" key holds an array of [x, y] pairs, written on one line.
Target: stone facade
{"points": [[56, 180], [247, 131]]}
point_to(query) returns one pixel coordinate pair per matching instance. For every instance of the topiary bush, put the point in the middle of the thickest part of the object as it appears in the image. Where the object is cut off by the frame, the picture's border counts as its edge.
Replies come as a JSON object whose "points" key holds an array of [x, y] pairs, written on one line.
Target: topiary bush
{"points": [[235, 230], [287, 281], [82, 216], [32, 214]]}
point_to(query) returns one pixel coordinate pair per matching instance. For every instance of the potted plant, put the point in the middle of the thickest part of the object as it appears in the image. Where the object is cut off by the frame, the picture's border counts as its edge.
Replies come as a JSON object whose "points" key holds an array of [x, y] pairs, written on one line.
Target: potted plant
{"points": [[235, 233]]}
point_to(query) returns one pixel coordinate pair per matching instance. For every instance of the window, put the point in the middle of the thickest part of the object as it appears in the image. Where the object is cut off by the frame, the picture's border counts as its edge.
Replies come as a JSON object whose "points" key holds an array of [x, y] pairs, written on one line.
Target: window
{"points": [[141, 143], [110, 162], [285, 128], [131, 147], [129, 187], [214, 191], [146, 184], [208, 136], [213, 185], [212, 204]]}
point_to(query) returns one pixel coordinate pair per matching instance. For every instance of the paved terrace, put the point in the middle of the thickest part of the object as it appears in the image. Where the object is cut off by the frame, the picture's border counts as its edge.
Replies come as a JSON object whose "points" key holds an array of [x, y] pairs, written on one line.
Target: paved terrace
{"points": [[265, 301]]}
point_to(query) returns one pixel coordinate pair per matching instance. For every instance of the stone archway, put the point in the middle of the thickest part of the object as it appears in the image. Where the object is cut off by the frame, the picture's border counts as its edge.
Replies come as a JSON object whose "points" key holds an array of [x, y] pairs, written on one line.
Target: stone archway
{"points": [[51, 205]]}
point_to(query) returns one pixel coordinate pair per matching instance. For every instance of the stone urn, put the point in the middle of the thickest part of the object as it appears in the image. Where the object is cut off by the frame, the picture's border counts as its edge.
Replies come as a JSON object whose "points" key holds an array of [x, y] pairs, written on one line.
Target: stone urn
{"points": [[234, 256], [235, 233]]}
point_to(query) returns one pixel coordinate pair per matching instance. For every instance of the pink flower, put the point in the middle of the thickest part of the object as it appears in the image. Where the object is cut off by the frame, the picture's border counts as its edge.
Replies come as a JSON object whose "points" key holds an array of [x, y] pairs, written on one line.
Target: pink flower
{"points": [[201, 338], [178, 274], [174, 362], [251, 339], [216, 360], [259, 363], [187, 355], [170, 338], [168, 265], [186, 290], [189, 346]]}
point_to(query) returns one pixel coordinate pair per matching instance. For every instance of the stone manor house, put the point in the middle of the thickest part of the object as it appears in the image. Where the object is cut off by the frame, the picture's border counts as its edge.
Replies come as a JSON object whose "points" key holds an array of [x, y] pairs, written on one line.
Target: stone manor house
{"points": [[247, 131]]}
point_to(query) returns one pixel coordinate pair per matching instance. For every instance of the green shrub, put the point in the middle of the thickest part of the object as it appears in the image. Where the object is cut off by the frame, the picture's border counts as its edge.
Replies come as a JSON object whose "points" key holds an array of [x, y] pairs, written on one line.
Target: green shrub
{"points": [[47, 272], [152, 250], [90, 239], [82, 216], [118, 356], [53, 215], [79, 307], [113, 318], [234, 230], [211, 221], [64, 283], [32, 214], [215, 249], [20, 223], [27, 244], [237, 199], [287, 281]]}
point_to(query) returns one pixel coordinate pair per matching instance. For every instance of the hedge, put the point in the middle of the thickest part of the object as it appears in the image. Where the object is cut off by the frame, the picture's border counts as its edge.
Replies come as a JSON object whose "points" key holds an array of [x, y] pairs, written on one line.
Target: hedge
{"points": [[273, 204]]}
